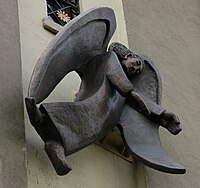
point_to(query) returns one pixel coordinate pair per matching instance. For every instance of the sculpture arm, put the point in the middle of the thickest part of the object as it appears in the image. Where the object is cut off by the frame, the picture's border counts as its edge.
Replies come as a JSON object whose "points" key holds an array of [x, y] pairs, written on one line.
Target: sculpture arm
{"points": [[121, 83], [155, 109], [163, 117], [116, 75]]}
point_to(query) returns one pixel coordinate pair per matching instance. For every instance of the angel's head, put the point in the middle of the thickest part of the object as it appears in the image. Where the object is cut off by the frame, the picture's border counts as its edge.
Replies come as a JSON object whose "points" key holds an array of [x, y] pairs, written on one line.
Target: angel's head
{"points": [[131, 63]]}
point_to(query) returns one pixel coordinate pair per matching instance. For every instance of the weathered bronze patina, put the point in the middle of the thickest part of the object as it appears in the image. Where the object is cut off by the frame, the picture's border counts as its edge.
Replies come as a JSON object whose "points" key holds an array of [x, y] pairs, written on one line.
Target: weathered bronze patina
{"points": [[118, 88]]}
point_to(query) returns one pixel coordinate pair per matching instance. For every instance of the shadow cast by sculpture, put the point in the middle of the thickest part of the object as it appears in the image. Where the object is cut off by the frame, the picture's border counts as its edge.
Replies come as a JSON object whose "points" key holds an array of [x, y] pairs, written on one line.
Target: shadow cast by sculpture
{"points": [[118, 88]]}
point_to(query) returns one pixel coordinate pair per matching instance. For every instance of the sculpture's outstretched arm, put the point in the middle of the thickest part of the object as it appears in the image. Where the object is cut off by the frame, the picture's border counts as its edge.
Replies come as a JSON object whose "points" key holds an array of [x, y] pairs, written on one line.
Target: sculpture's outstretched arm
{"points": [[121, 83], [161, 116], [137, 102], [140, 102]]}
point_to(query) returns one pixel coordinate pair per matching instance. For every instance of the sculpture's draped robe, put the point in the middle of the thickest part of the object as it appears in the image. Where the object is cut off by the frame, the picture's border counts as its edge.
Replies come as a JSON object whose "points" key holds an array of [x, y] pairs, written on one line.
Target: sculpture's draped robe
{"points": [[83, 122]]}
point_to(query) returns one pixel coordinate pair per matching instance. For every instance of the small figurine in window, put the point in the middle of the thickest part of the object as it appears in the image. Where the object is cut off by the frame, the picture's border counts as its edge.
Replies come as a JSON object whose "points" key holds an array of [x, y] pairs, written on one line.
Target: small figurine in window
{"points": [[62, 11]]}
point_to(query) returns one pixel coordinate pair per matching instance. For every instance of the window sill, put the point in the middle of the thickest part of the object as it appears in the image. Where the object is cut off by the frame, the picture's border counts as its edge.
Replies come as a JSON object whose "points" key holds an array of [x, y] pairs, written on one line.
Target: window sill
{"points": [[51, 26]]}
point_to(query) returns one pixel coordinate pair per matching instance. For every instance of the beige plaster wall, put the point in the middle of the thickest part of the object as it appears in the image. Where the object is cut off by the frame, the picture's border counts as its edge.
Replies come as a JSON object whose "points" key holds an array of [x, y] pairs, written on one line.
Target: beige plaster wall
{"points": [[93, 166], [12, 135], [121, 33], [169, 33]]}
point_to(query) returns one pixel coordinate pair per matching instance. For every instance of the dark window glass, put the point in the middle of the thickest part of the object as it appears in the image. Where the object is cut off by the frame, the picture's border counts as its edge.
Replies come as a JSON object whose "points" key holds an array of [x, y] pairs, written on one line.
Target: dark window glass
{"points": [[62, 11]]}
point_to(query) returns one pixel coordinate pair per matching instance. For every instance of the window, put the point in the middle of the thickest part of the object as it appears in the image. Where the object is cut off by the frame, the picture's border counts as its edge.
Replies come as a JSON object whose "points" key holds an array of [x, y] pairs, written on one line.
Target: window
{"points": [[62, 11]]}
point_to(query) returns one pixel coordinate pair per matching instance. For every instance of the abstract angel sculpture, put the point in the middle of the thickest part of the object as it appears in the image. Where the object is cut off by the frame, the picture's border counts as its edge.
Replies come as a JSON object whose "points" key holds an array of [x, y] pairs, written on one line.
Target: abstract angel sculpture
{"points": [[118, 88]]}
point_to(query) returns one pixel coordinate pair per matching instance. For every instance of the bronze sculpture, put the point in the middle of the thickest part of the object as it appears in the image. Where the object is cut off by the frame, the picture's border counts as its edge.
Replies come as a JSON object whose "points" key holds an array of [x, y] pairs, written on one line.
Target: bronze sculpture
{"points": [[110, 79]]}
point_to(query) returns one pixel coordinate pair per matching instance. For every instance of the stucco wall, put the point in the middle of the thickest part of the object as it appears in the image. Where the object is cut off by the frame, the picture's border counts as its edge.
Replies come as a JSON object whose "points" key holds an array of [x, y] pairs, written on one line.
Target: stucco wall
{"points": [[12, 136], [121, 33], [169, 33], [94, 166]]}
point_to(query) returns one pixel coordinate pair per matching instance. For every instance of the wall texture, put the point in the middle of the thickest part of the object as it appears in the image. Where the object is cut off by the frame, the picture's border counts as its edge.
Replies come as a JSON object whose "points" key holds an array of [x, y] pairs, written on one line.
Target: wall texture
{"points": [[169, 33], [12, 137], [121, 33]]}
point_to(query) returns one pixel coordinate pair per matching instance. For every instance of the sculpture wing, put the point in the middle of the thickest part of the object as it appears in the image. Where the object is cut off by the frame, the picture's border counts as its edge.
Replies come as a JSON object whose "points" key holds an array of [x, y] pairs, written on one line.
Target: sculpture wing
{"points": [[71, 49], [140, 134]]}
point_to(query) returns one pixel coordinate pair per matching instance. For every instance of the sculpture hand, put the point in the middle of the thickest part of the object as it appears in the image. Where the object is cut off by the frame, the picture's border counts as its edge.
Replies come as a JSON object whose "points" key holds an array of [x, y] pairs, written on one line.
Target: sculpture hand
{"points": [[171, 122], [138, 103]]}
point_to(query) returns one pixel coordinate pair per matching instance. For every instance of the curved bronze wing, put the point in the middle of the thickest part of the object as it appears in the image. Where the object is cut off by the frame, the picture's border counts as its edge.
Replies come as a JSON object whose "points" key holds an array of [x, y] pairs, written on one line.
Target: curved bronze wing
{"points": [[142, 135], [71, 49]]}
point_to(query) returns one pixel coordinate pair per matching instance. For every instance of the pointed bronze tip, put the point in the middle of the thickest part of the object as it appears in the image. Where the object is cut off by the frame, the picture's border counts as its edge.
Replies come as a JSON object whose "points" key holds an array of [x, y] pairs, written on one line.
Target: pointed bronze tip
{"points": [[34, 113]]}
